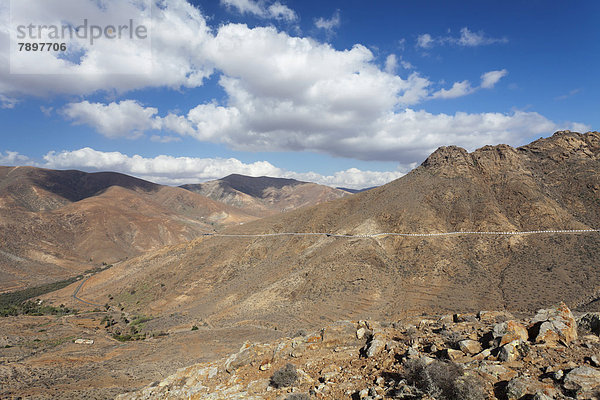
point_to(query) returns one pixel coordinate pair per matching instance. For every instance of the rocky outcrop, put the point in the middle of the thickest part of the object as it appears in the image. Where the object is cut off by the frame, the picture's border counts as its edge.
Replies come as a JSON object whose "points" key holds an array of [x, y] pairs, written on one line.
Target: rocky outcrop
{"points": [[425, 358]]}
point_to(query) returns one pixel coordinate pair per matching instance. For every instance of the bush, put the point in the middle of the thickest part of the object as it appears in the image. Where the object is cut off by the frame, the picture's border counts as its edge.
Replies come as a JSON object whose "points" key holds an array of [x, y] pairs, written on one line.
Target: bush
{"points": [[443, 380], [285, 376], [298, 396]]}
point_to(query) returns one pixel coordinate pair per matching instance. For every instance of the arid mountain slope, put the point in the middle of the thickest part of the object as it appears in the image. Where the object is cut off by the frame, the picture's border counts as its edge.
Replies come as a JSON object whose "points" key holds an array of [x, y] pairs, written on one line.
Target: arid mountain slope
{"points": [[285, 282], [262, 196], [55, 224]]}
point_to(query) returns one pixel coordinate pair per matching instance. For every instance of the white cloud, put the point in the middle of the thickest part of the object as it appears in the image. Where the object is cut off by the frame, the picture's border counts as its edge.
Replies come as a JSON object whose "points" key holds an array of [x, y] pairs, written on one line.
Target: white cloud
{"points": [[47, 111], [570, 94], [330, 24], [489, 79], [472, 39], [127, 118], [180, 170], [7, 102], [244, 6], [178, 32], [467, 38], [281, 11], [391, 64], [425, 41], [13, 158], [458, 89], [276, 10]]}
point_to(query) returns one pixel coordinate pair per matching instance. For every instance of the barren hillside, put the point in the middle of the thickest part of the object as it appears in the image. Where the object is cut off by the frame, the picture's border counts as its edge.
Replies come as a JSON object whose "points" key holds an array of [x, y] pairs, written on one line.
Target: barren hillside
{"points": [[263, 196], [284, 282], [56, 224]]}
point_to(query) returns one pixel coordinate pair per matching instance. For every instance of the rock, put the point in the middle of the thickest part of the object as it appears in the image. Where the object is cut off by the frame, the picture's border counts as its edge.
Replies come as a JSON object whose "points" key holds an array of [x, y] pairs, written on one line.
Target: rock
{"points": [[454, 355], [506, 332], [496, 372], [361, 333], [483, 355], [554, 324], [558, 375], [265, 366], [464, 318], [513, 351], [541, 396], [590, 322], [469, 346], [375, 346], [595, 361], [412, 352], [582, 380], [524, 385]]}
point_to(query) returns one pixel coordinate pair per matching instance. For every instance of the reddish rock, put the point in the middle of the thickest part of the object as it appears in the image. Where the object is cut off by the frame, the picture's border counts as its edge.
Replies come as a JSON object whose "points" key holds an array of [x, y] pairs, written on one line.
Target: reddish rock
{"points": [[553, 325]]}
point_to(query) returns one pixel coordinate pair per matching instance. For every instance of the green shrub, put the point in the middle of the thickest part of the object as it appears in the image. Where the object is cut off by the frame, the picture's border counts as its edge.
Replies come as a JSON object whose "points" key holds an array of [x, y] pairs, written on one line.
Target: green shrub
{"points": [[194, 328], [285, 376]]}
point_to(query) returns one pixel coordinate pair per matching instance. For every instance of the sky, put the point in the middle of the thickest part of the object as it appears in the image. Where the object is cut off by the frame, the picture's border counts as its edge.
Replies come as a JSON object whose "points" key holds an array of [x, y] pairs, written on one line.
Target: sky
{"points": [[343, 93]]}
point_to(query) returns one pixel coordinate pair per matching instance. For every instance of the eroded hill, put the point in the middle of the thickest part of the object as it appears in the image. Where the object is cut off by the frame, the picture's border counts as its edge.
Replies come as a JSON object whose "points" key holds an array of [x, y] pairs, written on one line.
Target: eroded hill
{"points": [[285, 282], [263, 196], [56, 224]]}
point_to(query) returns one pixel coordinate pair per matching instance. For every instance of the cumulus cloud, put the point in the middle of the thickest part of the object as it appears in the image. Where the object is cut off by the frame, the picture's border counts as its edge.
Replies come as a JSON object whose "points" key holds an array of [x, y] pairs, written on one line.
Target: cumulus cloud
{"points": [[178, 32], [127, 118], [467, 38], [180, 170], [282, 93], [391, 64], [329, 24], [13, 158], [276, 10], [458, 89], [489, 79]]}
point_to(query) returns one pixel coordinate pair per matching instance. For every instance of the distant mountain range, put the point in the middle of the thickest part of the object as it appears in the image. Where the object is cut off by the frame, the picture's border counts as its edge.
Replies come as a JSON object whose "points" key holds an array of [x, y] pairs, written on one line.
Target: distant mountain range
{"points": [[56, 224], [263, 196], [286, 282]]}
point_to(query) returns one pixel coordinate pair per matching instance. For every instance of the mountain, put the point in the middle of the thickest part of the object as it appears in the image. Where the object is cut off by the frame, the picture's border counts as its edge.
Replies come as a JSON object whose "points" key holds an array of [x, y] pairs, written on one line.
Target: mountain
{"points": [[263, 196], [356, 190], [282, 282], [56, 224]]}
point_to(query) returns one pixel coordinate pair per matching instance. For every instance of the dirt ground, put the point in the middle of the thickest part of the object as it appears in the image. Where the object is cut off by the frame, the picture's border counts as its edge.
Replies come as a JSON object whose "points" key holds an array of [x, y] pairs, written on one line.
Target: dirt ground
{"points": [[39, 358]]}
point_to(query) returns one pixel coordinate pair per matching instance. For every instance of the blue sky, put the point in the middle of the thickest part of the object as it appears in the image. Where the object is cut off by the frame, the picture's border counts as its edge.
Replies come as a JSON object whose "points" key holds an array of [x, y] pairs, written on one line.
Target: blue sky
{"points": [[344, 93]]}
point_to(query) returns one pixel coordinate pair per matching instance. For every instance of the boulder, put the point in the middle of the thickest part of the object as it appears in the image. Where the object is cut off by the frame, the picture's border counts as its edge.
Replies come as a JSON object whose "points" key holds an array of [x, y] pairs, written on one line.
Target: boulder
{"points": [[523, 386], [553, 325], [590, 322], [513, 351], [508, 331], [469, 346], [583, 381]]}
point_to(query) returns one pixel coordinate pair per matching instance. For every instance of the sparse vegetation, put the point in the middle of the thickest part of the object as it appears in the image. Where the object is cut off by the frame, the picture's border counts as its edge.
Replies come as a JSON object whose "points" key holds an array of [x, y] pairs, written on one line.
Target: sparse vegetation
{"points": [[443, 380], [194, 328], [285, 376], [35, 309], [298, 396]]}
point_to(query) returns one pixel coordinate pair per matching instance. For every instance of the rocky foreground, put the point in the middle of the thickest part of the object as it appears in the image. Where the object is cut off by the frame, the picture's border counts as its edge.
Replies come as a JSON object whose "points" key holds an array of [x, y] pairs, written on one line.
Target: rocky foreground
{"points": [[488, 355]]}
